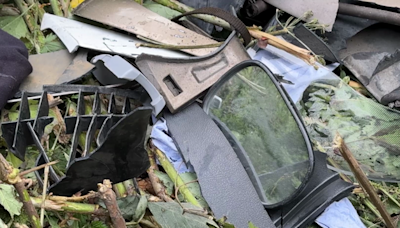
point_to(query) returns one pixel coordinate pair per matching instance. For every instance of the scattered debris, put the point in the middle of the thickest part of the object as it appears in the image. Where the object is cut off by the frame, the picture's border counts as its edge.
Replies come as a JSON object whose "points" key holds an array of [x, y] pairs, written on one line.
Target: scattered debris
{"points": [[181, 81], [61, 67], [324, 11], [240, 141], [132, 17], [362, 178], [124, 71], [100, 39]]}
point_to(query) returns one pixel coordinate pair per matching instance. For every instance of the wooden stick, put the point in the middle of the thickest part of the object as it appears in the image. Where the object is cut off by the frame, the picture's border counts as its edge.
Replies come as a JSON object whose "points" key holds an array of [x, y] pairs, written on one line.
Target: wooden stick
{"points": [[70, 207], [155, 181], [21, 174], [254, 31], [363, 180], [10, 175], [110, 200], [73, 198], [284, 45], [46, 180]]}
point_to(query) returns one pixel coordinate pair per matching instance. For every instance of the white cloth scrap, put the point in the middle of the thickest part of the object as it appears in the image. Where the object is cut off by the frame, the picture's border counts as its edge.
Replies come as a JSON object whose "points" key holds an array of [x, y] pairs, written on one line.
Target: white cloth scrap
{"points": [[164, 142], [341, 214]]}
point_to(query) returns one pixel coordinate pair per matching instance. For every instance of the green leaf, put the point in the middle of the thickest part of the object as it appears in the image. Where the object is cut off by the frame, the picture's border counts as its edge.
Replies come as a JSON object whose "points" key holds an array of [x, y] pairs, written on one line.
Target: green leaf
{"points": [[362, 122], [52, 221], [51, 43], [251, 225], [128, 206], [140, 209], [194, 187], [98, 224], [223, 224], [132, 207], [11, 158], [14, 25], [160, 9], [170, 215], [228, 225], [9, 200], [169, 185]]}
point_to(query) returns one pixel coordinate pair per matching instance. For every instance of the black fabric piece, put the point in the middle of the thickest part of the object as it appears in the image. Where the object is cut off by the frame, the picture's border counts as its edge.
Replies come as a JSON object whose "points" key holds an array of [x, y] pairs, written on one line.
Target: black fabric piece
{"points": [[224, 182], [235, 22], [14, 66], [121, 156]]}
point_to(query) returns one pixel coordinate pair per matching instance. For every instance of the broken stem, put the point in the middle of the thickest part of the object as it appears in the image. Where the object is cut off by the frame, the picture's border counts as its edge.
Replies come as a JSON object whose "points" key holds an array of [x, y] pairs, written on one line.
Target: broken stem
{"points": [[372, 208], [143, 221], [74, 198], [178, 47], [40, 11], [130, 187], [10, 175], [363, 180], [334, 164], [170, 170], [119, 190], [56, 7], [389, 195], [65, 7], [46, 179], [155, 181], [21, 5], [110, 200], [21, 174], [65, 206], [28, 206], [30, 21], [147, 223], [202, 213], [284, 45]]}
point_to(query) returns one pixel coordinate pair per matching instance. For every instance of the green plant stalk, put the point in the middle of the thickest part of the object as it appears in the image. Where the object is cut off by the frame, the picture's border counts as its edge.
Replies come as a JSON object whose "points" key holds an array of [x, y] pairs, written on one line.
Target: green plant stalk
{"points": [[55, 5], [179, 47], [372, 208], [66, 206], [368, 223], [342, 175], [65, 7], [10, 175], [38, 9], [31, 22], [170, 170], [175, 5], [26, 199], [120, 190], [24, 10], [388, 195], [129, 186]]}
